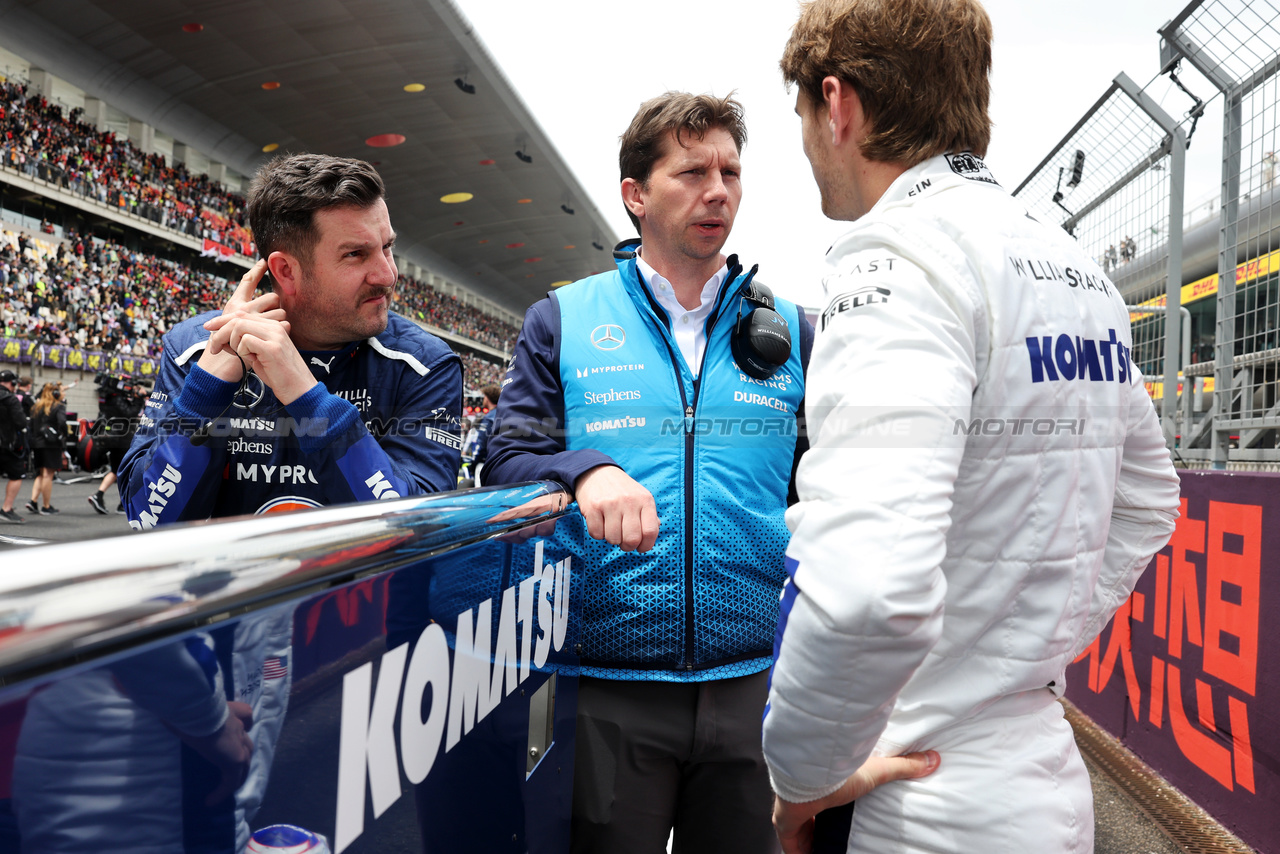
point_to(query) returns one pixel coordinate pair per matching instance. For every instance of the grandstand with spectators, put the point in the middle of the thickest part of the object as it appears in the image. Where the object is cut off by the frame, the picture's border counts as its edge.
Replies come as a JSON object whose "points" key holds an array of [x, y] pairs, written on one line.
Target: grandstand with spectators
{"points": [[84, 289]]}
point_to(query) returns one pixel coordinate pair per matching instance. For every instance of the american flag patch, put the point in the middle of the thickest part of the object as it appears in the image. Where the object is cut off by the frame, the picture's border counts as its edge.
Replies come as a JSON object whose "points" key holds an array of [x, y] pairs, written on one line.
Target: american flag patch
{"points": [[275, 668]]}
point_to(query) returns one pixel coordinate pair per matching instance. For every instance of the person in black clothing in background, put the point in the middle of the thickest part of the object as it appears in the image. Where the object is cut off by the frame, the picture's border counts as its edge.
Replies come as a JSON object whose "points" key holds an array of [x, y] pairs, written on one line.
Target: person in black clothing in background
{"points": [[25, 397], [13, 446], [119, 405], [47, 437], [484, 429], [28, 400]]}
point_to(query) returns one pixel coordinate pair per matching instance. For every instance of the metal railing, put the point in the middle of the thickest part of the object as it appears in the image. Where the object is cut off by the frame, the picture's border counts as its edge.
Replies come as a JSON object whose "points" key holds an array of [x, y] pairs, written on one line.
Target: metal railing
{"points": [[1205, 307], [1235, 44], [97, 597], [1115, 183]]}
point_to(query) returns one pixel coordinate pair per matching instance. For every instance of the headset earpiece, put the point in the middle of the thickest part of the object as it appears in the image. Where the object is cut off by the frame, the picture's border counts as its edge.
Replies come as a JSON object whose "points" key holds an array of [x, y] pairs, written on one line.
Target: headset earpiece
{"points": [[761, 339]]}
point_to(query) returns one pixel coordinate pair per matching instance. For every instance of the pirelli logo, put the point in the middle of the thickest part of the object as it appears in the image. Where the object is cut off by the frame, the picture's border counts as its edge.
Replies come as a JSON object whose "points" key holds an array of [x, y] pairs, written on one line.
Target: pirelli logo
{"points": [[445, 438], [869, 295]]}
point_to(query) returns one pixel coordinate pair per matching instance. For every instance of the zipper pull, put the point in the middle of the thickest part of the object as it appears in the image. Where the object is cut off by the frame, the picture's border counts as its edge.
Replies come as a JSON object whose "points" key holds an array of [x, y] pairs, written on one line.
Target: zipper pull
{"points": [[688, 419]]}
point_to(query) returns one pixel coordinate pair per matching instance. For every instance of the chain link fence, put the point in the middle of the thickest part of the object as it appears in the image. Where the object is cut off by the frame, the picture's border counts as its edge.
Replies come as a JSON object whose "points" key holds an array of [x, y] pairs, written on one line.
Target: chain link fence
{"points": [[1204, 290], [1115, 183], [1235, 44]]}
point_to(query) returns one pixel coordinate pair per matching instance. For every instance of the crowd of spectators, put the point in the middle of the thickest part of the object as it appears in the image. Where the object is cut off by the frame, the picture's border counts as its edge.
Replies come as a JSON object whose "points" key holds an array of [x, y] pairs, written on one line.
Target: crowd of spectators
{"points": [[478, 372], [445, 311], [40, 140], [103, 297], [96, 295]]}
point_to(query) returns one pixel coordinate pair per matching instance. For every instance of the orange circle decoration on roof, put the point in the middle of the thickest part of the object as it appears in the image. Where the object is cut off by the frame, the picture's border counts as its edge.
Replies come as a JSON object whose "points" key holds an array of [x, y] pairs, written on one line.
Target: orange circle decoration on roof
{"points": [[533, 260], [482, 242], [523, 201], [487, 162], [456, 198], [514, 245], [414, 87], [571, 246], [384, 140], [192, 28], [271, 84], [270, 147]]}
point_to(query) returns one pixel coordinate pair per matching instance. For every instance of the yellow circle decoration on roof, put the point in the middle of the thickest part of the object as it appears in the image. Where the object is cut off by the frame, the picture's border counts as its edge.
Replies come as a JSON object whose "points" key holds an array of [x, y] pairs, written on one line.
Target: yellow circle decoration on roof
{"points": [[414, 87], [455, 198], [270, 146], [562, 284]]}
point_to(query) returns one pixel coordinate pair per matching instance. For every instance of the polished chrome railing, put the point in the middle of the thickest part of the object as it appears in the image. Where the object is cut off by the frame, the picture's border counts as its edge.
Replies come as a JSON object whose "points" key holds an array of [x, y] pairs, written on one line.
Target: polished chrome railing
{"points": [[68, 603]]}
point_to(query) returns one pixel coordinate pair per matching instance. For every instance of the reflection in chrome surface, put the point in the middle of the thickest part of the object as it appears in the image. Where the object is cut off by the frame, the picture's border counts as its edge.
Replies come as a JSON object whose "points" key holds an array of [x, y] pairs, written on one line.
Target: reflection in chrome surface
{"points": [[298, 670], [139, 585]]}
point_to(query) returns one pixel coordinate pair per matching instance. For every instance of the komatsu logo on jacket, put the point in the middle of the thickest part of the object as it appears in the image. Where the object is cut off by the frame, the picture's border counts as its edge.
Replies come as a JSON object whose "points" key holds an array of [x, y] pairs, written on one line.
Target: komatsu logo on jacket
{"points": [[613, 424], [158, 493], [1071, 357]]}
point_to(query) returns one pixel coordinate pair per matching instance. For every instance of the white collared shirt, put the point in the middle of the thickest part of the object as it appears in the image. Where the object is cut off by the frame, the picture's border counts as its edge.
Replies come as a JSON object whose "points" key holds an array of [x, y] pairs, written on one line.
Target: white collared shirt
{"points": [[687, 325]]}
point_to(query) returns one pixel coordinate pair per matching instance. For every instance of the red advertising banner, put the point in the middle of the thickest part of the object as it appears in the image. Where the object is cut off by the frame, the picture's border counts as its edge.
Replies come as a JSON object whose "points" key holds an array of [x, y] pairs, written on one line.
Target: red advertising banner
{"points": [[1185, 675], [213, 249]]}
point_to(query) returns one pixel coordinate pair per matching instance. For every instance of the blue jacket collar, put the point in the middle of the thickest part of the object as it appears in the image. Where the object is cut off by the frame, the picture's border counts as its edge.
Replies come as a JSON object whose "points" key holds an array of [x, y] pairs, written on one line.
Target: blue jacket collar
{"points": [[624, 255]]}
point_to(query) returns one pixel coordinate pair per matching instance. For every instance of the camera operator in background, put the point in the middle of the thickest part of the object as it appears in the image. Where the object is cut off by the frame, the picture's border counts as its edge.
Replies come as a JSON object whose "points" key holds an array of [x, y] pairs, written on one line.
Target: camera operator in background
{"points": [[47, 436], [119, 405], [13, 445]]}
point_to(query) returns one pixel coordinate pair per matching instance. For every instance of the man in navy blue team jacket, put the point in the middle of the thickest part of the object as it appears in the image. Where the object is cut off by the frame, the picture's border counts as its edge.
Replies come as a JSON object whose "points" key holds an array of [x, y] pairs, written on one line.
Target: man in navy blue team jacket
{"points": [[666, 395], [342, 401]]}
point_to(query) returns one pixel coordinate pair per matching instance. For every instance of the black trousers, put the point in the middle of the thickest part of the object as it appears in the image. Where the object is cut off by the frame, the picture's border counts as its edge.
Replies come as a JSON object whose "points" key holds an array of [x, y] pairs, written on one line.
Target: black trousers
{"points": [[653, 756]]}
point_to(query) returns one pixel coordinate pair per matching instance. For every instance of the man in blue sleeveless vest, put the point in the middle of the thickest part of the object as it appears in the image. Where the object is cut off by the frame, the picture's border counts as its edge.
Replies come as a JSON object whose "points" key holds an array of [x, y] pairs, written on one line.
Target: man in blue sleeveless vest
{"points": [[666, 395]]}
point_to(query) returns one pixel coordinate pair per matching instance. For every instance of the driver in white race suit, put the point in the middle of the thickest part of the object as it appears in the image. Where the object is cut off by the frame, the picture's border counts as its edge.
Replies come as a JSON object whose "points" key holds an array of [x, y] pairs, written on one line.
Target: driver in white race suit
{"points": [[987, 476]]}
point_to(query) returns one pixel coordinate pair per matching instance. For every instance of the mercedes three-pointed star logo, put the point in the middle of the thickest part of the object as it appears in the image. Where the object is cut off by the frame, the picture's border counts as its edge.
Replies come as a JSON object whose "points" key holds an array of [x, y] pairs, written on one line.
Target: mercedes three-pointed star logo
{"points": [[254, 391], [608, 336]]}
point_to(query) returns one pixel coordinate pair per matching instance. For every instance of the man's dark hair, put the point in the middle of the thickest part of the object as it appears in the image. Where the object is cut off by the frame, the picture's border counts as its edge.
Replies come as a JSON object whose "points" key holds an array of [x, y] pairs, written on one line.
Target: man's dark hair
{"points": [[492, 392], [288, 190], [677, 113]]}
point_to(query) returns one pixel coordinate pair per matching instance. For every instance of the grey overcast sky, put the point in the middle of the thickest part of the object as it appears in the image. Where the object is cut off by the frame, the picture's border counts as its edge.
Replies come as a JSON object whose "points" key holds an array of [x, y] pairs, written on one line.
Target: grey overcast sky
{"points": [[584, 66]]}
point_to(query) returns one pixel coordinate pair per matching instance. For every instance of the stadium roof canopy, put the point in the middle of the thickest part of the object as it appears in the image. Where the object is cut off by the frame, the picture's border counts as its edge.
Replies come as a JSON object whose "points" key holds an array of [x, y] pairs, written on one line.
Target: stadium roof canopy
{"points": [[342, 68]]}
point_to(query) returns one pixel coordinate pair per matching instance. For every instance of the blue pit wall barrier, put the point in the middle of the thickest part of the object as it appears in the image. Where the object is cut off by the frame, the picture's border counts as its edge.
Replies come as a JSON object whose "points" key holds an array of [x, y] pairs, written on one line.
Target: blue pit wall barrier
{"points": [[409, 666]]}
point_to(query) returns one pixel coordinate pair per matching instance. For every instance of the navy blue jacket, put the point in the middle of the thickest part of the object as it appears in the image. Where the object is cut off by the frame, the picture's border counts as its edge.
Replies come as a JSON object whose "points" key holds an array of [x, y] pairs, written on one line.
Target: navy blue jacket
{"points": [[484, 432], [383, 422]]}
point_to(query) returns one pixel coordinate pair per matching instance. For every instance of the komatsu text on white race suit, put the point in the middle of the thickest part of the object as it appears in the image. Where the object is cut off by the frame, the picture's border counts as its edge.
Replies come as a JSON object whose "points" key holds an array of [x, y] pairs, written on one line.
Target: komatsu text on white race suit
{"points": [[987, 479]]}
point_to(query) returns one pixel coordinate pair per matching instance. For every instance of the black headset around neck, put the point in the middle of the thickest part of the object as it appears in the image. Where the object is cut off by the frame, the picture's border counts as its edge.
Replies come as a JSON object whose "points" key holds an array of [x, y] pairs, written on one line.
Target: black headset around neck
{"points": [[761, 338]]}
